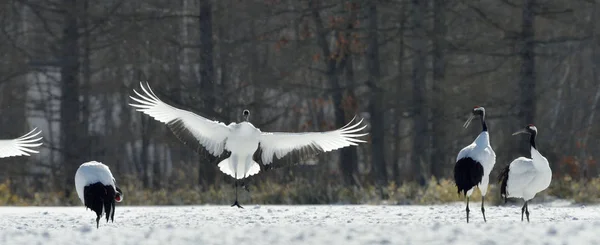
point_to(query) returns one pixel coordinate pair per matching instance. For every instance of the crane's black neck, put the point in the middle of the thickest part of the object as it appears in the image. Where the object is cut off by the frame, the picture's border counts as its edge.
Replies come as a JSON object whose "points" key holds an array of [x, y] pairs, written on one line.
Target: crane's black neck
{"points": [[532, 139], [483, 124]]}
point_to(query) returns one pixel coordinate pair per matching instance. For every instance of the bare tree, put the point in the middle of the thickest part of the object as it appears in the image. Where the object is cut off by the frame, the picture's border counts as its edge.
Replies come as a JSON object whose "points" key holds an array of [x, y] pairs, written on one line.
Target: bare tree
{"points": [[419, 154], [438, 150], [70, 105], [376, 98]]}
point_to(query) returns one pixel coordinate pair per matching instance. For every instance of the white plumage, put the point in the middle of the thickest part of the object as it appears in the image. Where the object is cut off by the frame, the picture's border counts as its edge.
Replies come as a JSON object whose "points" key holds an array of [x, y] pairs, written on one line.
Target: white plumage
{"points": [[481, 151], [242, 139], [474, 163], [21, 146], [525, 177], [97, 189], [91, 173]]}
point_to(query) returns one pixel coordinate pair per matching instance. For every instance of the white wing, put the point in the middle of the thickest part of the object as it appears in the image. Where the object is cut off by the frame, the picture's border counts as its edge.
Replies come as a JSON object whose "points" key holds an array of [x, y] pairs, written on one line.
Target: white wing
{"points": [[281, 144], [20, 146], [521, 173], [481, 151], [465, 151], [187, 126]]}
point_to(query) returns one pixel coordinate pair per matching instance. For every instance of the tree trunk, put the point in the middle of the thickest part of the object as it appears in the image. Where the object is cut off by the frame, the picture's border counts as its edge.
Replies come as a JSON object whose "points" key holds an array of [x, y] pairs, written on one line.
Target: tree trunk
{"points": [[376, 100], [595, 61], [419, 153], [349, 160], [207, 79], [145, 160], [207, 72], [347, 156], [69, 106], [438, 150], [527, 82], [85, 90], [398, 102]]}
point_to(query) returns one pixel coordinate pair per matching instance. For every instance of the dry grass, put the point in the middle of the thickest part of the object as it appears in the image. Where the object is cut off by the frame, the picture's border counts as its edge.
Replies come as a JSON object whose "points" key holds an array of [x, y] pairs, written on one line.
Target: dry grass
{"points": [[302, 191]]}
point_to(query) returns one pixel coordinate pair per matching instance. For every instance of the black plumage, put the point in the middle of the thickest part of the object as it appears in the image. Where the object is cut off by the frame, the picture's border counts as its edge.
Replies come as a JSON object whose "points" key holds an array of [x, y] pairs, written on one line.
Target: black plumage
{"points": [[184, 135], [300, 156], [467, 174], [101, 198], [503, 179]]}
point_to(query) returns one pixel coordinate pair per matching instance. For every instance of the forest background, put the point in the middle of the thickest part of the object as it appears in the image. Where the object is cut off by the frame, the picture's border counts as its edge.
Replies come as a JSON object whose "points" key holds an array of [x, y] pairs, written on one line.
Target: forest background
{"points": [[413, 69]]}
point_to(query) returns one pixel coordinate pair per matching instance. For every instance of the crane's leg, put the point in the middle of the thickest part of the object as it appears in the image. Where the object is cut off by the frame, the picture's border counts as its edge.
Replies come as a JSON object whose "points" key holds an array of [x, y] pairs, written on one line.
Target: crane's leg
{"points": [[236, 203], [468, 210], [527, 211], [482, 208], [523, 210], [97, 221], [245, 184], [244, 180]]}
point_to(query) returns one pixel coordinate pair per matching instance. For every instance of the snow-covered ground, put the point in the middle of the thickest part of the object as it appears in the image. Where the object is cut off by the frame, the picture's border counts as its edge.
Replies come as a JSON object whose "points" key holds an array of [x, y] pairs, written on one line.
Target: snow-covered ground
{"points": [[331, 225]]}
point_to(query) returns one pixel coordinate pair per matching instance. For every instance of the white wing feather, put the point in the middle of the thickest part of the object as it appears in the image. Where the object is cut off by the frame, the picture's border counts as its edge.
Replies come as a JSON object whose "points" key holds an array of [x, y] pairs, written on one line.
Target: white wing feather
{"points": [[480, 150], [208, 133], [521, 173], [465, 152], [280, 144], [20, 146]]}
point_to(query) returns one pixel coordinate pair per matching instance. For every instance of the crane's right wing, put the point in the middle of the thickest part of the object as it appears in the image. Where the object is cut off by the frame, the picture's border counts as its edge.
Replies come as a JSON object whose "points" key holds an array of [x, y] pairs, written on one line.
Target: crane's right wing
{"points": [[190, 128], [520, 174]]}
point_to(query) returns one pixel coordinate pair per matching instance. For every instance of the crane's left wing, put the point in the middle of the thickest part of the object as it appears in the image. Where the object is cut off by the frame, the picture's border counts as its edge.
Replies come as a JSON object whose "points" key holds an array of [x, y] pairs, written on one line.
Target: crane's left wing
{"points": [[21, 146], [293, 148]]}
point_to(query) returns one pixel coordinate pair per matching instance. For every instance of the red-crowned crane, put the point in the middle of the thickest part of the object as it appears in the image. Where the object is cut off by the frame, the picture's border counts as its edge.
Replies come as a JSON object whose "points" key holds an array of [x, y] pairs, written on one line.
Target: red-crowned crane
{"points": [[475, 162], [248, 147], [21, 146], [97, 189], [525, 177]]}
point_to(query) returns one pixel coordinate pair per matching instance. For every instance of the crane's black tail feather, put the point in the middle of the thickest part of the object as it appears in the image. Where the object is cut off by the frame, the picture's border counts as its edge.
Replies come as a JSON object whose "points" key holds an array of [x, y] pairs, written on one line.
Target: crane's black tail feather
{"points": [[100, 198], [467, 174], [503, 180]]}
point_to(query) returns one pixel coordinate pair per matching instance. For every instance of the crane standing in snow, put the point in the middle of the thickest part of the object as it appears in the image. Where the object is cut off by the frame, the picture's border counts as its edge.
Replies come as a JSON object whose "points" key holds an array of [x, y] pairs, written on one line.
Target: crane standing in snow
{"points": [[20, 146], [248, 146], [525, 177], [475, 162], [97, 189]]}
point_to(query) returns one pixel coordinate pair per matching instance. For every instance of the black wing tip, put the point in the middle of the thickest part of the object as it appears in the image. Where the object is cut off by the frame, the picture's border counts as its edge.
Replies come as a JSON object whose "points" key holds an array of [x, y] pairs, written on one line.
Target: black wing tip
{"points": [[184, 136], [293, 158]]}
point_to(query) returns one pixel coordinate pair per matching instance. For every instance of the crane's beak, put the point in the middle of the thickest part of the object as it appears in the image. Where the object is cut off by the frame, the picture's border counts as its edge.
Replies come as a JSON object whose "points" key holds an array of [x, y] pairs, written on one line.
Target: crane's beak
{"points": [[522, 131], [469, 121]]}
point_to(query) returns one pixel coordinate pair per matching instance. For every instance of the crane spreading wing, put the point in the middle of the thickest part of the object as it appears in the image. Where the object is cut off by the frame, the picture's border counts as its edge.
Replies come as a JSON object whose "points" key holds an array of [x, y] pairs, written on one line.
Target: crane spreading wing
{"points": [[192, 129], [20, 146], [281, 149]]}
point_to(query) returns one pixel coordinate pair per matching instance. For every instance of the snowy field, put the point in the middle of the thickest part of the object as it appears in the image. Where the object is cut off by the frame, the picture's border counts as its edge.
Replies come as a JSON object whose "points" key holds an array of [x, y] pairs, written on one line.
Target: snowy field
{"points": [[337, 224]]}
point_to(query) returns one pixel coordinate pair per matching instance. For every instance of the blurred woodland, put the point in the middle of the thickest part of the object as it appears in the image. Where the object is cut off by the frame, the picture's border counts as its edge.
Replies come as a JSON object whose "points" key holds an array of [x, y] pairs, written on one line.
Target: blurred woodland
{"points": [[413, 69]]}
